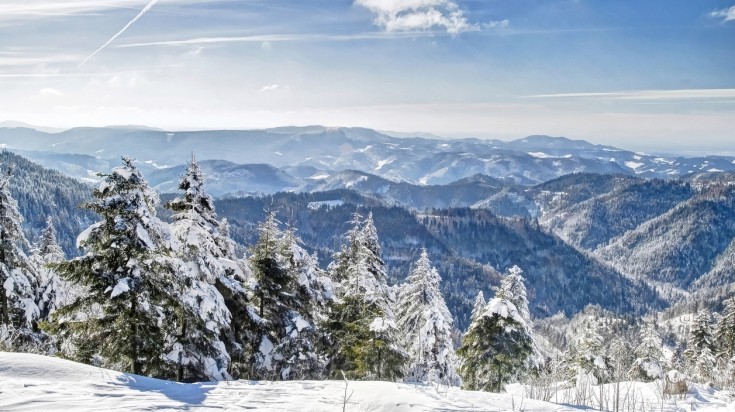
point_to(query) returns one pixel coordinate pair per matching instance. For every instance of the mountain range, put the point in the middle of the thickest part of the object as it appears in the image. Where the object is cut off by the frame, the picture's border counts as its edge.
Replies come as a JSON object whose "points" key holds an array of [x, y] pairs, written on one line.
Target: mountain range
{"points": [[309, 154], [626, 237]]}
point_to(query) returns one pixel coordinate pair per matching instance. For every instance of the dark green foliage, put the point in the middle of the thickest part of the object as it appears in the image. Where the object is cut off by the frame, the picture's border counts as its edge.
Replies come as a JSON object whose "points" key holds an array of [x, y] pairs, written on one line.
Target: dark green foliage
{"points": [[494, 352]]}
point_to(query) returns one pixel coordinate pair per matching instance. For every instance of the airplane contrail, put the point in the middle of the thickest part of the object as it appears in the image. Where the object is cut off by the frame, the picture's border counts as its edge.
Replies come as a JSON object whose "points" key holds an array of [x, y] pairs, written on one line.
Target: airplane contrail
{"points": [[130, 23]]}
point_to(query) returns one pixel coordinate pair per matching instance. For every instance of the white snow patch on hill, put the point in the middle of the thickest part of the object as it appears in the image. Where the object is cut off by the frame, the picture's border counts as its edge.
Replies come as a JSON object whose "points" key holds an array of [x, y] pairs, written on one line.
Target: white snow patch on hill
{"points": [[542, 155], [633, 165], [35, 382]]}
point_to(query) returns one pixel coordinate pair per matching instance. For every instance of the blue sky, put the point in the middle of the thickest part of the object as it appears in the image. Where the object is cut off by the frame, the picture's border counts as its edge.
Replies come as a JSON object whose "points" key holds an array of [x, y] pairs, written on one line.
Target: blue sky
{"points": [[643, 74]]}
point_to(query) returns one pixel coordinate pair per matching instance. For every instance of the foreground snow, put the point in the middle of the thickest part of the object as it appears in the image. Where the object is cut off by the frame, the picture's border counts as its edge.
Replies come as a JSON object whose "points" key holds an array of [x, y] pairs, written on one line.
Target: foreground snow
{"points": [[34, 382]]}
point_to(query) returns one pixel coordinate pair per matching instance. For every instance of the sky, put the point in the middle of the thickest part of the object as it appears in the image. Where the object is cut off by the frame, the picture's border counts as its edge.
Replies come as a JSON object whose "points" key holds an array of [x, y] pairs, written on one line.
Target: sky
{"points": [[639, 74]]}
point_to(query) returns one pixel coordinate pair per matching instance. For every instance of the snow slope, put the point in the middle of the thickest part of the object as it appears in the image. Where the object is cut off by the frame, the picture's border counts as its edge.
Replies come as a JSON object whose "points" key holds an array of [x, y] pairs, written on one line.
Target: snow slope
{"points": [[40, 383], [34, 382]]}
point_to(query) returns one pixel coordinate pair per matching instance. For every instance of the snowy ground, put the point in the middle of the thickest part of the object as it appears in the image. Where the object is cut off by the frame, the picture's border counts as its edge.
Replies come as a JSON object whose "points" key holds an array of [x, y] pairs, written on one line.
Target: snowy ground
{"points": [[38, 383]]}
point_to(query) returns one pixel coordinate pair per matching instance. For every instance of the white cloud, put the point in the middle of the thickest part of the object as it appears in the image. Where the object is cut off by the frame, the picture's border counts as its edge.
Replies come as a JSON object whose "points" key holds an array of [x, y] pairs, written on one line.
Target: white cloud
{"points": [[653, 95], [497, 24], [50, 92], [412, 15], [271, 88], [727, 14], [25, 9]]}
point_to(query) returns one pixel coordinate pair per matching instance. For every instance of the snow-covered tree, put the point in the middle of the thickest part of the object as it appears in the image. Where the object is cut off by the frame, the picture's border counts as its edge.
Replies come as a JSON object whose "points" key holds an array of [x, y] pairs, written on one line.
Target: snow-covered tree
{"points": [[18, 276], [53, 292], [364, 341], [124, 318], [699, 354], [593, 361], [426, 324], [207, 261], [515, 291], [649, 359], [478, 306], [496, 347], [725, 332], [287, 292], [649, 362]]}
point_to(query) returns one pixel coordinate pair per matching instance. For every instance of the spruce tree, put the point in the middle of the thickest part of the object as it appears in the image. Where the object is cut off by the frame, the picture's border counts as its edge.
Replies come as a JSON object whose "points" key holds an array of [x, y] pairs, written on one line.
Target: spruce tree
{"points": [[364, 340], [699, 355], [478, 306], [204, 320], [649, 363], [496, 348], [285, 341], [426, 325], [53, 292], [725, 333], [18, 275], [515, 291], [124, 318]]}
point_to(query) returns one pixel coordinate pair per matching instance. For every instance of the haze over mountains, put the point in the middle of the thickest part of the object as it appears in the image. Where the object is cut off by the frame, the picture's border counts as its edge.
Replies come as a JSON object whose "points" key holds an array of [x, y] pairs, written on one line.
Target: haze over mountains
{"points": [[309, 157]]}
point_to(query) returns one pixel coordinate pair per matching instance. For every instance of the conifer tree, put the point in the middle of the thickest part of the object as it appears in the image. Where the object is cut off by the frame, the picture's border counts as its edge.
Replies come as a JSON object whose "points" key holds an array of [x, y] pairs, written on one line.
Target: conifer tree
{"points": [[725, 333], [53, 292], [699, 356], [592, 358], [204, 319], [649, 356], [478, 306], [426, 324], [124, 318], [283, 275], [364, 336], [515, 291], [496, 348], [18, 276]]}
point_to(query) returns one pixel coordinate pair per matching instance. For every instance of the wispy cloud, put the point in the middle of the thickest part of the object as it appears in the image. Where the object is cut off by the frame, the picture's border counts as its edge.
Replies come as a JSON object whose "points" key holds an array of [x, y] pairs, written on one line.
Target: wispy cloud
{"points": [[497, 24], [276, 38], [48, 91], [270, 88], [130, 23], [727, 14], [411, 15], [652, 95]]}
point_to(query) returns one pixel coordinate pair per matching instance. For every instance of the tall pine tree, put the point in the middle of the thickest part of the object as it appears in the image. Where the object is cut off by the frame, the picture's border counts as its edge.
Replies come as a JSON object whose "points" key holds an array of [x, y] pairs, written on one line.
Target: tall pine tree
{"points": [[204, 319], [364, 341], [288, 292], [53, 292], [426, 325], [18, 276], [124, 318]]}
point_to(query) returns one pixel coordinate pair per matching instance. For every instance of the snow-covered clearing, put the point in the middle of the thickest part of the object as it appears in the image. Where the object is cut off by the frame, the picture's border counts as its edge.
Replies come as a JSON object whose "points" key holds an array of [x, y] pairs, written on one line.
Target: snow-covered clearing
{"points": [[34, 382], [40, 383]]}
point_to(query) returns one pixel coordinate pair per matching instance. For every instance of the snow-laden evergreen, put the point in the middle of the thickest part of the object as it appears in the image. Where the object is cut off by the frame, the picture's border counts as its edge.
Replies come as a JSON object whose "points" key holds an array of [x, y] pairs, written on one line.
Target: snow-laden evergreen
{"points": [[478, 306], [53, 292], [18, 275], [363, 334], [496, 349], [699, 354], [515, 291], [426, 325], [127, 317], [207, 261], [289, 290], [649, 363], [725, 342]]}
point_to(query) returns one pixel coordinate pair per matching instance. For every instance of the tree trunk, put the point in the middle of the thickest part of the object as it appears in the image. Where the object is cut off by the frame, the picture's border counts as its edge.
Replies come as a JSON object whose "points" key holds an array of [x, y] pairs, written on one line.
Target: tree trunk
{"points": [[180, 372], [135, 340], [4, 315]]}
